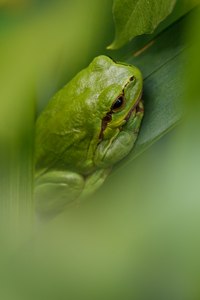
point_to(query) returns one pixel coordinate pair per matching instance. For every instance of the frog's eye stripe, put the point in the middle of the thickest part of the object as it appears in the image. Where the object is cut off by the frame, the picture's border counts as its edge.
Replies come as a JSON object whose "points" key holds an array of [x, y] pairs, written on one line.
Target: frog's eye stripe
{"points": [[104, 124]]}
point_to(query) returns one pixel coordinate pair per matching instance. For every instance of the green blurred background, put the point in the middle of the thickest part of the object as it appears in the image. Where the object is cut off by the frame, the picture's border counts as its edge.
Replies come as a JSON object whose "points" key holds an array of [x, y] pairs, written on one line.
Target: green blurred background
{"points": [[138, 237]]}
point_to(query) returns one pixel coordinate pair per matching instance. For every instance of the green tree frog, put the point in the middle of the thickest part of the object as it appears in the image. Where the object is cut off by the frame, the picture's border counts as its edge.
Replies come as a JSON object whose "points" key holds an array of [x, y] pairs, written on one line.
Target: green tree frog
{"points": [[87, 127]]}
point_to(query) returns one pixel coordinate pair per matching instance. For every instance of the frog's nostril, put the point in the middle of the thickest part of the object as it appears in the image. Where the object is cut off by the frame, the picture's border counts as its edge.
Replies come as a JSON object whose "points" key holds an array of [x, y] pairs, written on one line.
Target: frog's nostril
{"points": [[132, 78]]}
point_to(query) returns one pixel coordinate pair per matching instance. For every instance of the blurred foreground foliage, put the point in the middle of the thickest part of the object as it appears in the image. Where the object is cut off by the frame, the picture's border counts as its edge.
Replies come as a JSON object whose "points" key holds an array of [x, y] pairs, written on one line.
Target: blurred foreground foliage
{"points": [[137, 238]]}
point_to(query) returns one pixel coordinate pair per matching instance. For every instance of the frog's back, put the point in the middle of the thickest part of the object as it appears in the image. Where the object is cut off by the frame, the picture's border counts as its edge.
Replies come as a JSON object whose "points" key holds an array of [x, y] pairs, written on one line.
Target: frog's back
{"points": [[58, 129]]}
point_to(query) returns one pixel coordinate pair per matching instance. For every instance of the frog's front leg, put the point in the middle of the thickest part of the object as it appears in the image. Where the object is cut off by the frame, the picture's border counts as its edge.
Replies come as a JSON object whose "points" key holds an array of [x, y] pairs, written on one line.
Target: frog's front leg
{"points": [[111, 151], [55, 190]]}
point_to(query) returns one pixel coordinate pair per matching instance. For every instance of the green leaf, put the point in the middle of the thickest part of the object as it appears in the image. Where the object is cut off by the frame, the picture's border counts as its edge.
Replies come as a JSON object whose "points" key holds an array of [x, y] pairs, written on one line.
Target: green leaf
{"points": [[162, 64], [136, 17]]}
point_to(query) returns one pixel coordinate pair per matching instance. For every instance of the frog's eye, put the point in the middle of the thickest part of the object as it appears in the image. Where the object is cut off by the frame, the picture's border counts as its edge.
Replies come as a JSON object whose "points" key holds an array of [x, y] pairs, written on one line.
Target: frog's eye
{"points": [[118, 104]]}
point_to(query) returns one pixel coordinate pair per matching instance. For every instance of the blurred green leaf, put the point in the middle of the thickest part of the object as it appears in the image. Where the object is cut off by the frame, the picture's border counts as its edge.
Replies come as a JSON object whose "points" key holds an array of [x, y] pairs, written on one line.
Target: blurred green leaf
{"points": [[37, 53], [135, 17]]}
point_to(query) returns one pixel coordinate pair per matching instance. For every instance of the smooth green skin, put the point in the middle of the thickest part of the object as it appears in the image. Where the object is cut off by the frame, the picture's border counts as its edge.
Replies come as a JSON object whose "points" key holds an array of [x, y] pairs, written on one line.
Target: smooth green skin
{"points": [[74, 153]]}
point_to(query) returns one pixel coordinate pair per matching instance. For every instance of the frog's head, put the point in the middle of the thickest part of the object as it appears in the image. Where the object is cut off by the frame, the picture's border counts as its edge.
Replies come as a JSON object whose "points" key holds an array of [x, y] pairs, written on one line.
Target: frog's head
{"points": [[119, 90]]}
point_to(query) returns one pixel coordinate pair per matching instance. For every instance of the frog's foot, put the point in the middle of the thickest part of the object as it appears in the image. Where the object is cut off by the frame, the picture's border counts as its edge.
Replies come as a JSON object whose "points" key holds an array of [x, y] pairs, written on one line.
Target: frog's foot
{"points": [[56, 190]]}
